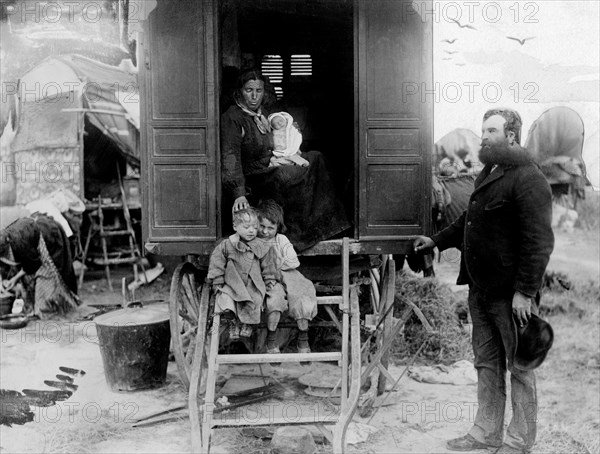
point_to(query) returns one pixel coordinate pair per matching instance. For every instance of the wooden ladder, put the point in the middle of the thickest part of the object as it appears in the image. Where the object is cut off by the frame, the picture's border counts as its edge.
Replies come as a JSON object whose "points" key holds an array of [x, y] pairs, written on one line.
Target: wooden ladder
{"points": [[130, 254], [348, 359]]}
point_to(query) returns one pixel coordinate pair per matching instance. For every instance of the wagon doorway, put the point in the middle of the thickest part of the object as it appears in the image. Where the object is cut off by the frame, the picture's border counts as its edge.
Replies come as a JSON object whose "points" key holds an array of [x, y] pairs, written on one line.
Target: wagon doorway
{"points": [[342, 68], [306, 49]]}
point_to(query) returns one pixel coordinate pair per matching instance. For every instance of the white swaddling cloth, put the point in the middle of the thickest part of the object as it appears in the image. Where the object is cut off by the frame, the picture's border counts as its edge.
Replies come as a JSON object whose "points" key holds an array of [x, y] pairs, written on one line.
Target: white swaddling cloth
{"points": [[293, 139]]}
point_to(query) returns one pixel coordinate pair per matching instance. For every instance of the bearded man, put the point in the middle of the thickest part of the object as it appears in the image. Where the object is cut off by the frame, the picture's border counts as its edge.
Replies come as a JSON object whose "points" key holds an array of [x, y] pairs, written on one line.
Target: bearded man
{"points": [[506, 239]]}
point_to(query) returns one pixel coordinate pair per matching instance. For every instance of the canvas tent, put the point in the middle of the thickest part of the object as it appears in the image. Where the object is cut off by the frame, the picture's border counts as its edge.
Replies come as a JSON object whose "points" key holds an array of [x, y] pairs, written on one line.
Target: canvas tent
{"points": [[76, 118]]}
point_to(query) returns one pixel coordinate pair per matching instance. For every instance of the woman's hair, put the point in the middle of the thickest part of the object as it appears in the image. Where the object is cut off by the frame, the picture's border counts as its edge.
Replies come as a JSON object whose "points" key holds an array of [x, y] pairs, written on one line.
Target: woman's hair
{"points": [[246, 214], [269, 97], [272, 212]]}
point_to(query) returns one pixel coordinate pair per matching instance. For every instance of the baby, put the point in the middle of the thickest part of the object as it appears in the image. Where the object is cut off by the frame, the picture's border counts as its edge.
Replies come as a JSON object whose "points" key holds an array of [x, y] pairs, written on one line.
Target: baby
{"points": [[286, 141], [295, 293], [241, 271]]}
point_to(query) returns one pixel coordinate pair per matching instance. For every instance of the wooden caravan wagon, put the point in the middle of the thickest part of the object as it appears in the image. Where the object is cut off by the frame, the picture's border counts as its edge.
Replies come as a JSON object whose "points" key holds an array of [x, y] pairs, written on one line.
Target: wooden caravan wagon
{"points": [[354, 73]]}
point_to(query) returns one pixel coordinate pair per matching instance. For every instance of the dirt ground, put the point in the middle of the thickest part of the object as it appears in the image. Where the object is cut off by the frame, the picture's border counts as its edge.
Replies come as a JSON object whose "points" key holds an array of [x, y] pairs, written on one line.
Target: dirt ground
{"points": [[420, 419]]}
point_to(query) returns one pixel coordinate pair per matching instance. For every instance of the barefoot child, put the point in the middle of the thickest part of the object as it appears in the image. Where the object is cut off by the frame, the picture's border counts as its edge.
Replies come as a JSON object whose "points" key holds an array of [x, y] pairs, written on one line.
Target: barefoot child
{"points": [[294, 292], [241, 270]]}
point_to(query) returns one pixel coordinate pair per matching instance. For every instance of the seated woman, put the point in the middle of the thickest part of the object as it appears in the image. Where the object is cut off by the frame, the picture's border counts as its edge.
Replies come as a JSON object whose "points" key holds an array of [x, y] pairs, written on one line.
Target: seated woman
{"points": [[306, 194]]}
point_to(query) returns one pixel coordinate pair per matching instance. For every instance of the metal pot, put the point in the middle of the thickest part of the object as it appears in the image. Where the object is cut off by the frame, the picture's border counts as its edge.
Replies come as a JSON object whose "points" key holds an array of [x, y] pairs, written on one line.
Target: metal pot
{"points": [[134, 344], [6, 303]]}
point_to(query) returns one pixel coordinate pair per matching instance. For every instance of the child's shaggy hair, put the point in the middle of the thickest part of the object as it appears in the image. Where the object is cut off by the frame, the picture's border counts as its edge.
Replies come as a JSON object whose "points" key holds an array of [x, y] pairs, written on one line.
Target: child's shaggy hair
{"points": [[244, 215], [272, 212]]}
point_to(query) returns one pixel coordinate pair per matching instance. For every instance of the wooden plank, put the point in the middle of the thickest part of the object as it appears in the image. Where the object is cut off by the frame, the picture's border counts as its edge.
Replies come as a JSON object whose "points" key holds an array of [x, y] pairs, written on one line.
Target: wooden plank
{"points": [[196, 375], [182, 245], [386, 374], [209, 396], [387, 300], [348, 410], [263, 358], [345, 318], [329, 419], [394, 244], [333, 318], [333, 299]]}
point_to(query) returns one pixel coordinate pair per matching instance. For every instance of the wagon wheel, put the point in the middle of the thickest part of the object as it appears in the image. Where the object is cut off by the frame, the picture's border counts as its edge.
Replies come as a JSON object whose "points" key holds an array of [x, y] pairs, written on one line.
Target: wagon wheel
{"points": [[188, 303]]}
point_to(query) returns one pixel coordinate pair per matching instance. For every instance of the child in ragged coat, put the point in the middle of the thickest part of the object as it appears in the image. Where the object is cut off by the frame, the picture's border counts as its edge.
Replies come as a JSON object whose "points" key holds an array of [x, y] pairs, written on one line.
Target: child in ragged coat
{"points": [[293, 292], [241, 270]]}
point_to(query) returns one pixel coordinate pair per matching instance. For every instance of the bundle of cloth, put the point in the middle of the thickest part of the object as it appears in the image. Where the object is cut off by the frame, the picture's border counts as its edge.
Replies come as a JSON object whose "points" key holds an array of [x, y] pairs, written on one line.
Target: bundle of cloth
{"points": [[286, 141], [36, 251]]}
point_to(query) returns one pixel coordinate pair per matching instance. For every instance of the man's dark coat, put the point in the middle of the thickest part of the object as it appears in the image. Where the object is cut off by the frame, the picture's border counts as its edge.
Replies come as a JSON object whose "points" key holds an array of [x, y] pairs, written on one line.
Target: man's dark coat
{"points": [[505, 234]]}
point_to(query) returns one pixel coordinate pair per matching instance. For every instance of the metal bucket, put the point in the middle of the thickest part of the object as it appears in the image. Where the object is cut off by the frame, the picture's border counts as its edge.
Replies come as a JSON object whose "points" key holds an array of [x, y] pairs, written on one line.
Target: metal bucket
{"points": [[134, 344], [6, 303]]}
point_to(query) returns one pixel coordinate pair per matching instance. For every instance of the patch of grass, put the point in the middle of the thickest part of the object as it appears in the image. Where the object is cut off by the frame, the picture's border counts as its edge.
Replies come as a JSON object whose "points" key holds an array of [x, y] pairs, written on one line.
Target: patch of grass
{"points": [[573, 439], [570, 376], [81, 437], [581, 300], [450, 341]]}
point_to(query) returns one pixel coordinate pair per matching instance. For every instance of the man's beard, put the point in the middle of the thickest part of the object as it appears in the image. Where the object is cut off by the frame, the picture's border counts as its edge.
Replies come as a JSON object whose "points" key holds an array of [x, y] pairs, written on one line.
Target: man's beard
{"points": [[502, 154]]}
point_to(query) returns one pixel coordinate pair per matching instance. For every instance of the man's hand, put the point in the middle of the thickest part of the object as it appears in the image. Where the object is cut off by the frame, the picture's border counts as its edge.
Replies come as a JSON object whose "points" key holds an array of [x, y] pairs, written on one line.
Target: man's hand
{"points": [[217, 287], [241, 203], [270, 284], [521, 306], [423, 243]]}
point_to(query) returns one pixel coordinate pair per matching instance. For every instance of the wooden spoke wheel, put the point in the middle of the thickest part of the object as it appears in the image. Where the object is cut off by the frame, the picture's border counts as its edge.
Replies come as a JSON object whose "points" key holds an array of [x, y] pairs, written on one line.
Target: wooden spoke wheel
{"points": [[188, 303]]}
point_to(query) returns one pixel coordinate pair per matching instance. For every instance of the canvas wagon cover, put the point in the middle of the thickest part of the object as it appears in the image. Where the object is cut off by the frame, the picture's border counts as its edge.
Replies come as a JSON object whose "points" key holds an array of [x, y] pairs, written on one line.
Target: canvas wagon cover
{"points": [[555, 140], [60, 88], [56, 95], [557, 132]]}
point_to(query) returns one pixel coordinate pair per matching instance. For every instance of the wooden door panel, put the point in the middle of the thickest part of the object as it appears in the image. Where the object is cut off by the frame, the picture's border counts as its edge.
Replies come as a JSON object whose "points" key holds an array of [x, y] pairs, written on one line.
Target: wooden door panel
{"points": [[384, 142], [182, 196], [393, 51], [395, 126], [178, 60], [389, 202], [180, 142], [179, 131]]}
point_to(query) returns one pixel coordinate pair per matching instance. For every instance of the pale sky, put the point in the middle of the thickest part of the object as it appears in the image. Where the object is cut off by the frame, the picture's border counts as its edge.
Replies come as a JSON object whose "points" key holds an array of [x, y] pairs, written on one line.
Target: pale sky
{"points": [[559, 66]]}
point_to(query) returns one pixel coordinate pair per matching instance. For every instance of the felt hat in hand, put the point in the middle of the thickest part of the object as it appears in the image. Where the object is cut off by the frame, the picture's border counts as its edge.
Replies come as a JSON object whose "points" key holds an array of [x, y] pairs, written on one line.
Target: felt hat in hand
{"points": [[534, 341]]}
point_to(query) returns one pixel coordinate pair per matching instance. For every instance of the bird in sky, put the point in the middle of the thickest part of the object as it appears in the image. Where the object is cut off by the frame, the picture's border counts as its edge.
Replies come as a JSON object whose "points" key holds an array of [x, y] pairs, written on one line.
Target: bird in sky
{"points": [[520, 41], [451, 52], [463, 26], [449, 41]]}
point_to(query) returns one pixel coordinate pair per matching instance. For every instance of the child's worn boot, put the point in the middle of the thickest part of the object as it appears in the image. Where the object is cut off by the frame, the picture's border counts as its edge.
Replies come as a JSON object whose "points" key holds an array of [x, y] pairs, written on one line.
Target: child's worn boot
{"points": [[229, 319], [272, 344], [303, 346]]}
